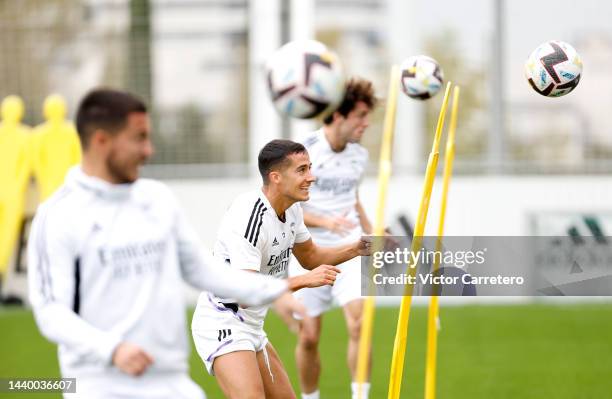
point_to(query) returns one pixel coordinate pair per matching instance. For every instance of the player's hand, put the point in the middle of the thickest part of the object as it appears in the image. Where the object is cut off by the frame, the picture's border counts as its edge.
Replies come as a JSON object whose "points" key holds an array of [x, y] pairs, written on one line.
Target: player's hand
{"points": [[131, 359], [364, 245], [340, 224], [286, 306], [321, 275]]}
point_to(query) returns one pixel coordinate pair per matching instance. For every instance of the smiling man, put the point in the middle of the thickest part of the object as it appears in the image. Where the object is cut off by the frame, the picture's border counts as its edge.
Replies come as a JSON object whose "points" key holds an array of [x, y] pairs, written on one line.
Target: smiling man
{"points": [[259, 232]]}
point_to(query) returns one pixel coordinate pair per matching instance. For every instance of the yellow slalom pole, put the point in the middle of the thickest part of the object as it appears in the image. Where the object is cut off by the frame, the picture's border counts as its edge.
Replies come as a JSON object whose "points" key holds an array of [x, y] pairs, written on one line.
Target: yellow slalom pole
{"points": [[434, 307], [401, 333], [384, 174]]}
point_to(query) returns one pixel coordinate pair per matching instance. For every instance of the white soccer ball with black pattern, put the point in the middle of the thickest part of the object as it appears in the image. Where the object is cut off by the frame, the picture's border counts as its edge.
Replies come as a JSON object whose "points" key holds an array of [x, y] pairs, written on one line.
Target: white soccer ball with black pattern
{"points": [[421, 77], [305, 79], [553, 69]]}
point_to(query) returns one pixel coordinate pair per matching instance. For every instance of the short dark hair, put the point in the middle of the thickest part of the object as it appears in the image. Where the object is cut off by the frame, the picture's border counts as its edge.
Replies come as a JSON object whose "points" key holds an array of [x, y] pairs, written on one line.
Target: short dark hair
{"points": [[357, 89], [106, 109], [275, 155]]}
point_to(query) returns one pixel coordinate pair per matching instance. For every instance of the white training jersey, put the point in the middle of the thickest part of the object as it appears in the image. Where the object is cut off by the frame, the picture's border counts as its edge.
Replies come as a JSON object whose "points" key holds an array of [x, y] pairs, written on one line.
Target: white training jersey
{"points": [[253, 237], [107, 264], [334, 193]]}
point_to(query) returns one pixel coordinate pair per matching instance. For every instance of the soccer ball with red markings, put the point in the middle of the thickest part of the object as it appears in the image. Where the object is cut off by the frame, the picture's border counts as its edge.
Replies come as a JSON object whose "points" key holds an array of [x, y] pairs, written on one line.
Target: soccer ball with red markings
{"points": [[553, 69], [305, 79], [421, 77]]}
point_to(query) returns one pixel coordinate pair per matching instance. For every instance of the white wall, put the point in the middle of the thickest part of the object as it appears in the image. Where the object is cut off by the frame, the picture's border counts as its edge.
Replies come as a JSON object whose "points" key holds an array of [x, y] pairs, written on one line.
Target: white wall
{"points": [[492, 205]]}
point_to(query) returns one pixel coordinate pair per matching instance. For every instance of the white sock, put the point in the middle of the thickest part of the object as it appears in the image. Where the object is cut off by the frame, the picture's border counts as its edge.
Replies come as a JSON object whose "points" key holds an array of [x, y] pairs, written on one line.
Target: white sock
{"points": [[312, 395], [365, 390]]}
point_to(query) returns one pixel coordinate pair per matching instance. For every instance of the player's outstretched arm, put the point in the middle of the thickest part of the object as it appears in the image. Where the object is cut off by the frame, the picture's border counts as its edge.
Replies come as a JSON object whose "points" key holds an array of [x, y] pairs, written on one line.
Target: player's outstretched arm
{"points": [[311, 255], [203, 271], [52, 256], [210, 274], [319, 276]]}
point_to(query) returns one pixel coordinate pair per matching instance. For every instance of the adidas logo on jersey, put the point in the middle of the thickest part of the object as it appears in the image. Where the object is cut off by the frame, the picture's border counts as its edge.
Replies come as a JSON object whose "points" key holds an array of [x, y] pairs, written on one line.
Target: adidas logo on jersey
{"points": [[275, 242]]}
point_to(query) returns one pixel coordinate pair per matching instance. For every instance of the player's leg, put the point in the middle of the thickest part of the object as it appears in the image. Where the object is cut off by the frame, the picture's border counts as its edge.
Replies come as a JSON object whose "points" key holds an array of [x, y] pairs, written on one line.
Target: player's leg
{"points": [[238, 375], [275, 379], [307, 354], [317, 301], [227, 349], [347, 292], [353, 312]]}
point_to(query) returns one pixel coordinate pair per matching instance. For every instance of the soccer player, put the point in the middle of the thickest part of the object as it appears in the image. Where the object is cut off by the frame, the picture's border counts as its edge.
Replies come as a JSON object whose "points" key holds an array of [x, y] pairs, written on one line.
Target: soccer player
{"points": [[259, 232], [335, 216], [108, 253]]}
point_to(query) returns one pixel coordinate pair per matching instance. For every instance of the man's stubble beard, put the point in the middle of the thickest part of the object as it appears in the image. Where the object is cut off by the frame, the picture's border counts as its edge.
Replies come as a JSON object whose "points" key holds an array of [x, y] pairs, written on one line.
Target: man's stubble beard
{"points": [[117, 171]]}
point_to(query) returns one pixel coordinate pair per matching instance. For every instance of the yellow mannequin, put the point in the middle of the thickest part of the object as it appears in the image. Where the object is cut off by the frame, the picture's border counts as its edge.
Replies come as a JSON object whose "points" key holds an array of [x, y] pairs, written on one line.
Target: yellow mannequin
{"points": [[15, 171], [56, 147]]}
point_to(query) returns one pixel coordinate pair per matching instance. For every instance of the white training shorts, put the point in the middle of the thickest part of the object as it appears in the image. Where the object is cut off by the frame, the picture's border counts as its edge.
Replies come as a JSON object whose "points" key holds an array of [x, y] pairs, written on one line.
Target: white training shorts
{"points": [[346, 288], [218, 330]]}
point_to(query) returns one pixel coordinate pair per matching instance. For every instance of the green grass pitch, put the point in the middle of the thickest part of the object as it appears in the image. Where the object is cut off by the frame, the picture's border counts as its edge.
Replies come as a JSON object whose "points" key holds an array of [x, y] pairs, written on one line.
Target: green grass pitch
{"points": [[515, 352]]}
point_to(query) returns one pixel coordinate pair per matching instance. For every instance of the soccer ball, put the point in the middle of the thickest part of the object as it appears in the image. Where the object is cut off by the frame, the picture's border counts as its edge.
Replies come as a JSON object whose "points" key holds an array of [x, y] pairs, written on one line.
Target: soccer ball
{"points": [[305, 79], [422, 77], [553, 69]]}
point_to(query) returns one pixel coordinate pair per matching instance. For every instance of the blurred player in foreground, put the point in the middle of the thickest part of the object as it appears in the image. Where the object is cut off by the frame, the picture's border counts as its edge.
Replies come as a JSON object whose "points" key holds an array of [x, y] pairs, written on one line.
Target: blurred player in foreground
{"points": [[108, 254], [335, 216], [259, 232]]}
